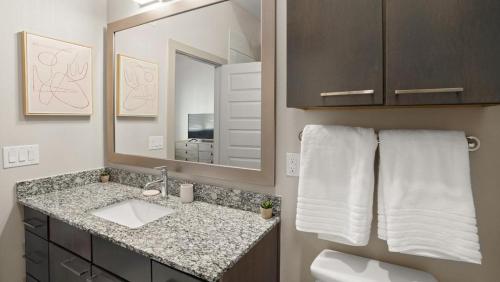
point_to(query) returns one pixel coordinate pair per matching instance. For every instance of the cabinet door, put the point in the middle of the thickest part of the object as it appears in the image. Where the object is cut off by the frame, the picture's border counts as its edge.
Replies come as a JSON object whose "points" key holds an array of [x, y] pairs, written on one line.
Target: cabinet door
{"points": [[335, 53], [163, 273], [99, 275], [67, 267], [482, 51], [425, 52], [70, 237], [35, 222], [120, 261], [37, 257]]}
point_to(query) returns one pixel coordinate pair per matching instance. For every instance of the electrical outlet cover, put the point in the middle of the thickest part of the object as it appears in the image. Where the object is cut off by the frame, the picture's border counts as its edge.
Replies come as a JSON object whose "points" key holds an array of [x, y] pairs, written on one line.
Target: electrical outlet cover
{"points": [[292, 164]]}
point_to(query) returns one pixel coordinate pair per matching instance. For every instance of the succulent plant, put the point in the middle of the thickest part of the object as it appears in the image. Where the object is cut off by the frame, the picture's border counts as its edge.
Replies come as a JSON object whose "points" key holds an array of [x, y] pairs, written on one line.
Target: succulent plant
{"points": [[267, 204]]}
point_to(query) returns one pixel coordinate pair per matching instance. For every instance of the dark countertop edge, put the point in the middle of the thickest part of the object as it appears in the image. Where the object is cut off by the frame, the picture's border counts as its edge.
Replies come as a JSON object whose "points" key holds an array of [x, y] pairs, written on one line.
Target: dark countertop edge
{"points": [[277, 221]]}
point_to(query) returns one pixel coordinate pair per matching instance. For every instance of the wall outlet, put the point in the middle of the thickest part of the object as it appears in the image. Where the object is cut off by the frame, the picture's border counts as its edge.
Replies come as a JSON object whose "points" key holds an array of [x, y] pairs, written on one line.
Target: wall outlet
{"points": [[14, 156], [292, 164]]}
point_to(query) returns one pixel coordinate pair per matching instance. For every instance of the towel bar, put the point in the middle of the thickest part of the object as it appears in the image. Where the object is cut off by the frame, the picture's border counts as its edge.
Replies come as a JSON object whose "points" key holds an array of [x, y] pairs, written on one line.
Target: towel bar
{"points": [[473, 142]]}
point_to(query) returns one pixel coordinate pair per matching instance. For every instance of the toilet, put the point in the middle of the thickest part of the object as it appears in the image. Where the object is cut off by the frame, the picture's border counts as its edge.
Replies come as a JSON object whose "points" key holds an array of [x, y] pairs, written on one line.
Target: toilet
{"points": [[333, 266]]}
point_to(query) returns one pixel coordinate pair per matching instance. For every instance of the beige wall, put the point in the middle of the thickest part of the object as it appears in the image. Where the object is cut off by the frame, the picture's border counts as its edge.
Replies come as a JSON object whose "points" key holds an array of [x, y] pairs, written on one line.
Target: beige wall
{"points": [[66, 143]]}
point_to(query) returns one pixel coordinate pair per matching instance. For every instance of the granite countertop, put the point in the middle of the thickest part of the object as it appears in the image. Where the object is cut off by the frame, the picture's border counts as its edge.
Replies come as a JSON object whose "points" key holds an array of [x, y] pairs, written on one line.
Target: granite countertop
{"points": [[201, 239]]}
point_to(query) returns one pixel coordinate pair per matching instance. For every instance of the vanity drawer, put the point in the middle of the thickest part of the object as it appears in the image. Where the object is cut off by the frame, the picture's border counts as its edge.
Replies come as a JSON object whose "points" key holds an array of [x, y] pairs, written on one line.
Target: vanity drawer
{"points": [[186, 146], [67, 267], [35, 222], [162, 273], [120, 261], [100, 275], [206, 156], [37, 257], [206, 147], [70, 238], [186, 155]]}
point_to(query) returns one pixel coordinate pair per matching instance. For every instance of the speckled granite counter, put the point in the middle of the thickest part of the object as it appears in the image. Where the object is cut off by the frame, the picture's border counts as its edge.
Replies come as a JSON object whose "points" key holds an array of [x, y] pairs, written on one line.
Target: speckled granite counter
{"points": [[201, 239]]}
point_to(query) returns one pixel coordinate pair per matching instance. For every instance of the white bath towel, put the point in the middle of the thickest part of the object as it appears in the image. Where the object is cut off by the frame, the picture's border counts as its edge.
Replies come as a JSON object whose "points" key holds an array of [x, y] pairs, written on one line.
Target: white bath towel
{"points": [[336, 183], [425, 204]]}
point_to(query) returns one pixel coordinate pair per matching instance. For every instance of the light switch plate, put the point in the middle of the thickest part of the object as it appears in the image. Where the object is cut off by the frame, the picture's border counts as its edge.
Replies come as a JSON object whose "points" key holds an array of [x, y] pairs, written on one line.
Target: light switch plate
{"points": [[14, 156], [155, 142], [292, 164]]}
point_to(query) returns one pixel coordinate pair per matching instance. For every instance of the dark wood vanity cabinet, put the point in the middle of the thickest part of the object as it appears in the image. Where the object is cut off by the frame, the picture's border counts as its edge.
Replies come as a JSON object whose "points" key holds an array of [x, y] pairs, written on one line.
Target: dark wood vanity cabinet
{"points": [[335, 53], [64, 253], [67, 267], [436, 52], [120, 261], [37, 257], [162, 273]]}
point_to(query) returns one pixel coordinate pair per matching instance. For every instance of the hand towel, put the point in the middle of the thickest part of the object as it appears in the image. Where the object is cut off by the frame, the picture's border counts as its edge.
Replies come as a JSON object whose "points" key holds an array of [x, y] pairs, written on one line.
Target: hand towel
{"points": [[425, 203], [336, 183]]}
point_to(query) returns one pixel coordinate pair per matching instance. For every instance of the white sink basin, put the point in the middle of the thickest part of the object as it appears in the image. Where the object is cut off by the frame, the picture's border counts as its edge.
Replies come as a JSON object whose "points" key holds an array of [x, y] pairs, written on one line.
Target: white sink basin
{"points": [[132, 213]]}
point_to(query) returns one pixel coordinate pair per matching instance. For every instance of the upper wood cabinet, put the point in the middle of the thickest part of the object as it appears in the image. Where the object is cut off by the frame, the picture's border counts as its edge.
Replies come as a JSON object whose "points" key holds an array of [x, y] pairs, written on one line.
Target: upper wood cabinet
{"points": [[424, 52], [481, 41], [436, 52], [335, 53], [442, 52]]}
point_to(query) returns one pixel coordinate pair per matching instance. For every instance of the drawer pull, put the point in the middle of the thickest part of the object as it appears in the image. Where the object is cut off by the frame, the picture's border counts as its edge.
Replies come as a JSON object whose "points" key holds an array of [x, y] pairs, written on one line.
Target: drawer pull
{"points": [[32, 223], [32, 259], [346, 93], [430, 90], [96, 277], [71, 269]]}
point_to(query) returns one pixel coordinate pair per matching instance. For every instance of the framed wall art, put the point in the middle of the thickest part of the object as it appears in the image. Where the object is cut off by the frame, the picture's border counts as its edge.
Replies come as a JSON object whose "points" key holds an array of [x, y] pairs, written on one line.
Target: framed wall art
{"points": [[137, 88], [57, 76]]}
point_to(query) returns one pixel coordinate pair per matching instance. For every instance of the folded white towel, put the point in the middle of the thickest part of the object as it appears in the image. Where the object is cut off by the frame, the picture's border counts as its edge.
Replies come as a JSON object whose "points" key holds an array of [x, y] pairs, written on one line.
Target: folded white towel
{"points": [[336, 183], [425, 204]]}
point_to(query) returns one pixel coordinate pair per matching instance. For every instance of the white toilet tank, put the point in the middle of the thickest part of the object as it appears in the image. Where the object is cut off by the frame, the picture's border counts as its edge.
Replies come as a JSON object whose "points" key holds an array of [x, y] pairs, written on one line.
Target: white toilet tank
{"points": [[333, 266]]}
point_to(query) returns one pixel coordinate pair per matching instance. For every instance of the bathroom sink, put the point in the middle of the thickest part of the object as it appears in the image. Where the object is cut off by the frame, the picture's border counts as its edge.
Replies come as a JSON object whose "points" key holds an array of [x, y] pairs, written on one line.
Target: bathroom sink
{"points": [[132, 213]]}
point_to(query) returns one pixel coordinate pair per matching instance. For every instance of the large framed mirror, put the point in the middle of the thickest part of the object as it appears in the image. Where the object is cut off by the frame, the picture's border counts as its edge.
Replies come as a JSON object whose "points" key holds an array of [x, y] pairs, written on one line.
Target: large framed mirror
{"points": [[191, 86]]}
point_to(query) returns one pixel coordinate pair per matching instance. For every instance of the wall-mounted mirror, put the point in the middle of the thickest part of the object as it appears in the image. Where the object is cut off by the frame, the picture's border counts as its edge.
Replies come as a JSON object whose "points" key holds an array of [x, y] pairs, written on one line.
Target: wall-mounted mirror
{"points": [[191, 86]]}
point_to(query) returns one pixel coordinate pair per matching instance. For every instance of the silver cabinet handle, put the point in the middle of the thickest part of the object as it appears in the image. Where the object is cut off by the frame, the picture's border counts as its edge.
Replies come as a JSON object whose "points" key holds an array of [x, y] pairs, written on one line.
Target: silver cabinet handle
{"points": [[430, 90], [71, 269], [32, 258], [345, 93], [32, 223]]}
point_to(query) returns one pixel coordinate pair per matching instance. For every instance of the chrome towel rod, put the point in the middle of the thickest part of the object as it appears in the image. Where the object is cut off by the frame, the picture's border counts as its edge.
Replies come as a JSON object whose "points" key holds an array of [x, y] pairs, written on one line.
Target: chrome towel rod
{"points": [[473, 142]]}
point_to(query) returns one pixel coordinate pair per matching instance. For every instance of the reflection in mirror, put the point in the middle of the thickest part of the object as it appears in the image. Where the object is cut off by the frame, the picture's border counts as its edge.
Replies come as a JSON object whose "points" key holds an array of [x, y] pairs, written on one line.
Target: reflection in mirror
{"points": [[188, 87]]}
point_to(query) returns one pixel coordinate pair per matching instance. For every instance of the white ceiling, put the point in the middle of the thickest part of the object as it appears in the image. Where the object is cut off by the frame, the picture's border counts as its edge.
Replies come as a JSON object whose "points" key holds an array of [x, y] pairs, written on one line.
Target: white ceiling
{"points": [[252, 6]]}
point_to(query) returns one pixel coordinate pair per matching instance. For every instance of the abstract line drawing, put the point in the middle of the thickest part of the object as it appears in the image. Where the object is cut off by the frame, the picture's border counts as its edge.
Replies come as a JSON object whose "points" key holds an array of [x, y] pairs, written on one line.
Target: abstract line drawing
{"points": [[57, 77], [137, 87]]}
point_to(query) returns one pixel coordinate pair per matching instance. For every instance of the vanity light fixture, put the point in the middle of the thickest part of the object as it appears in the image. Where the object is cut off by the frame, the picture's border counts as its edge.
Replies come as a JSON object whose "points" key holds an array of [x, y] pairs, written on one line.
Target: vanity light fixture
{"points": [[145, 2]]}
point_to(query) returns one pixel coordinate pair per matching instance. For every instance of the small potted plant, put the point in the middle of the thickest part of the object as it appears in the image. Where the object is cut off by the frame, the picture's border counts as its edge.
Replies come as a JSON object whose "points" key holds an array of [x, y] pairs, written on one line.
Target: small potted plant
{"points": [[266, 209], [105, 176]]}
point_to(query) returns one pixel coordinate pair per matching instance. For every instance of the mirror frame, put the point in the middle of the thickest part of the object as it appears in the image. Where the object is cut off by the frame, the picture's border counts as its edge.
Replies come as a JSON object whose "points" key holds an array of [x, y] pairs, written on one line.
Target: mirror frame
{"points": [[266, 175]]}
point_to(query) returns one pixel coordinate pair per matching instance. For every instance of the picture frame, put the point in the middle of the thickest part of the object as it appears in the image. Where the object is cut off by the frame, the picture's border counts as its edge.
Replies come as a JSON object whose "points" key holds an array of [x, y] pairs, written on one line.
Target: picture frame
{"points": [[57, 77], [137, 87]]}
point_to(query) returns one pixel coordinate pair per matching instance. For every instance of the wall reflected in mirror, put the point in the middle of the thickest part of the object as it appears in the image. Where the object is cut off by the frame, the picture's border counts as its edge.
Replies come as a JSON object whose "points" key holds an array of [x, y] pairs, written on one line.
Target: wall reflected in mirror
{"points": [[188, 87]]}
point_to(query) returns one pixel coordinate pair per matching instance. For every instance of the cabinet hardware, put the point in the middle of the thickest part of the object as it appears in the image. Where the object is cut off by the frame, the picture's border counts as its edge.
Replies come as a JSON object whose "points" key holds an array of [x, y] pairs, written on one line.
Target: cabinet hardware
{"points": [[91, 278], [71, 269], [32, 259], [32, 223], [346, 93], [430, 90]]}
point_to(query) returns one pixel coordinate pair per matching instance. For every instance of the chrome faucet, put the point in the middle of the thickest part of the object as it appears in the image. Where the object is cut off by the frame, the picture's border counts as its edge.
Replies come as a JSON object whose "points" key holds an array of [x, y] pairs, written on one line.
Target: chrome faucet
{"points": [[163, 181]]}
